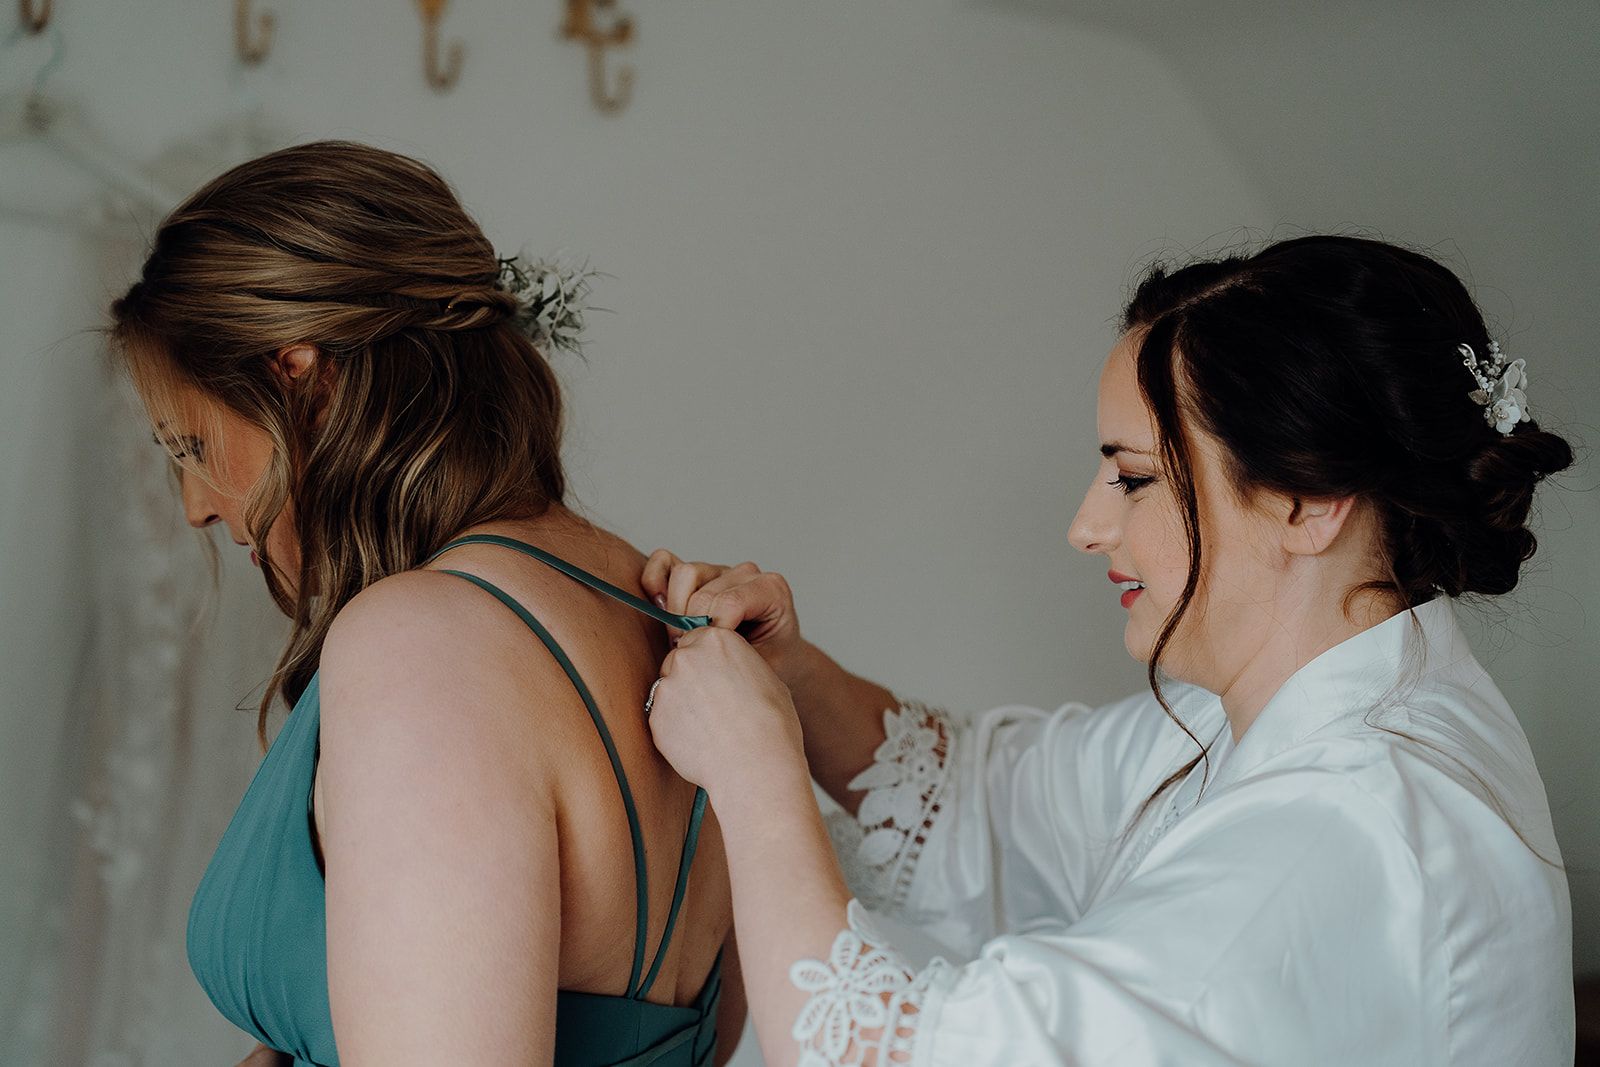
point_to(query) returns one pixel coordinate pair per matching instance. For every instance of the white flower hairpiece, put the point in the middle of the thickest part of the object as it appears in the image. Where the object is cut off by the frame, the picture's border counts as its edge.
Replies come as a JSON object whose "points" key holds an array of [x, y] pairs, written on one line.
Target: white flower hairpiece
{"points": [[1501, 386], [553, 299]]}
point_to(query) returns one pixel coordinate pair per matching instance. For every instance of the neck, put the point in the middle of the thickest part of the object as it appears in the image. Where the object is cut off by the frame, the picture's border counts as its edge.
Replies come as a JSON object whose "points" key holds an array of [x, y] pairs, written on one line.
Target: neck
{"points": [[555, 518], [1298, 629]]}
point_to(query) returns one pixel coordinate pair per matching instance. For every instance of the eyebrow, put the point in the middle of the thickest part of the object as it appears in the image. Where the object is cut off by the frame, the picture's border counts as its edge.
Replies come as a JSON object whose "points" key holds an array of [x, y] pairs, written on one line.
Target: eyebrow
{"points": [[1111, 448]]}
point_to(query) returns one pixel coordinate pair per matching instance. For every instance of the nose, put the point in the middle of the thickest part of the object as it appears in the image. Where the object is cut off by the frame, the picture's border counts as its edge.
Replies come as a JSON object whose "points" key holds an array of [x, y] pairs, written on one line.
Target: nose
{"points": [[1095, 527], [197, 505]]}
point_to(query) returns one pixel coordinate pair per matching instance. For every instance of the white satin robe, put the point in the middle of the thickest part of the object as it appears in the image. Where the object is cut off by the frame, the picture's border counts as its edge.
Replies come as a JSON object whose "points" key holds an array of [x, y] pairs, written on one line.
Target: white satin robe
{"points": [[1338, 894]]}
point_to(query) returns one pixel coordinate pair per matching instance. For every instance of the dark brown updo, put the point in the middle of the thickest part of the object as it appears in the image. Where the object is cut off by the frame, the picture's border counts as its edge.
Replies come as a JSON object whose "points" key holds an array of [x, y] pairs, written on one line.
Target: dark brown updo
{"points": [[1326, 367]]}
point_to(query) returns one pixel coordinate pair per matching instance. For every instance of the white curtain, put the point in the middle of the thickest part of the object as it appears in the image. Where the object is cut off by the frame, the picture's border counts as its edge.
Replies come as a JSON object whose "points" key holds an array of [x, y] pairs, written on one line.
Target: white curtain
{"points": [[122, 753]]}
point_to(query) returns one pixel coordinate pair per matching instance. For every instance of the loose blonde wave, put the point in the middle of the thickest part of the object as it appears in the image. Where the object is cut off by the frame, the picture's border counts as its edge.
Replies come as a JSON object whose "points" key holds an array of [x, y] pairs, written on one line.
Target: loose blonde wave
{"points": [[430, 413]]}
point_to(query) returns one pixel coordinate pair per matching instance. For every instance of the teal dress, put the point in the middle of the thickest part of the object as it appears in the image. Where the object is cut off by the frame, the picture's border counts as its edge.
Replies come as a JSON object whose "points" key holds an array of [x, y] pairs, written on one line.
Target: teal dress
{"points": [[257, 940]]}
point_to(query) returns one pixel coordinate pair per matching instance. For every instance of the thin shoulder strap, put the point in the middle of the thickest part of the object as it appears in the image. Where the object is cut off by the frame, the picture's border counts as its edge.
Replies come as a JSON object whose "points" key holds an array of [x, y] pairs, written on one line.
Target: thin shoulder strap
{"points": [[691, 838], [682, 622]]}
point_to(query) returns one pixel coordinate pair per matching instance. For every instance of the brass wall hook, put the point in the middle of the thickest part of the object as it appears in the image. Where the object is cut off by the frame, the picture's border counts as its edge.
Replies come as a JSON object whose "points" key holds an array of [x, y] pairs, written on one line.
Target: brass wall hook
{"points": [[581, 25], [440, 79], [251, 51], [36, 19]]}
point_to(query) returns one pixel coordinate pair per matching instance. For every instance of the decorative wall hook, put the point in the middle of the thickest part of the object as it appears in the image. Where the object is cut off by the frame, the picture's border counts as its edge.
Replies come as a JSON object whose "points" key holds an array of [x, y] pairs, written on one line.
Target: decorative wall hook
{"points": [[35, 19], [441, 79], [251, 51], [581, 25]]}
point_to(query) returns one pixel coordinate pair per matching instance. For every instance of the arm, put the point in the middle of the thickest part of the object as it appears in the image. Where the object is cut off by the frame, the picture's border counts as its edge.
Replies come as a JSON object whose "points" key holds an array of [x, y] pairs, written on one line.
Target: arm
{"points": [[788, 894], [443, 893], [933, 799], [1264, 932], [789, 901], [841, 714], [841, 720]]}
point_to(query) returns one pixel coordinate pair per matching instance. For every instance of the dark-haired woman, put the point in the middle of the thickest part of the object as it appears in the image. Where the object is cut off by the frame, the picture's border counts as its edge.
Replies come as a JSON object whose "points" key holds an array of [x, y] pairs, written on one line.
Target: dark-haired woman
{"points": [[1327, 843], [461, 847]]}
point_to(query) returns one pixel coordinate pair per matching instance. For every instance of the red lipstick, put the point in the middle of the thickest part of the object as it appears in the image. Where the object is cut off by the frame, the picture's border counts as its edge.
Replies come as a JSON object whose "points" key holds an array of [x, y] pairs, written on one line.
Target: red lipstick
{"points": [[1128, 595]]}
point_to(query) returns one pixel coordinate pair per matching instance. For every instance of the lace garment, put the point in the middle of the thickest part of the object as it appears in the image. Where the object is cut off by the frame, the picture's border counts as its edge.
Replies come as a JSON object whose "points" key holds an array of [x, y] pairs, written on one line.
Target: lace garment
{"points": [[905, 786], [865, 1000]]}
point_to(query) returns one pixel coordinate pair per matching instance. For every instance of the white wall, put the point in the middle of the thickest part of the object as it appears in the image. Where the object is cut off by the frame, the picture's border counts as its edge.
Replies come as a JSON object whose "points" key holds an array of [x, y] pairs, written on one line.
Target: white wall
{"points": [[866, 260]]}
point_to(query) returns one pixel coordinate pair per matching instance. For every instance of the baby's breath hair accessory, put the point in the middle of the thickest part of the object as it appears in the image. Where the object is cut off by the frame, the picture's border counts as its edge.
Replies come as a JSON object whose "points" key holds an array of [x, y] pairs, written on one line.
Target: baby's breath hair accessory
{"points": [[1500, 386], [553, 298]]}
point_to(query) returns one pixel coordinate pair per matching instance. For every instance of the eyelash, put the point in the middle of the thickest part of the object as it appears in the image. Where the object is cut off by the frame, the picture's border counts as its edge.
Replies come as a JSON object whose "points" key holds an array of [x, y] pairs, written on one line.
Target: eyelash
{"points": [[1130, 483], [190, 445]]}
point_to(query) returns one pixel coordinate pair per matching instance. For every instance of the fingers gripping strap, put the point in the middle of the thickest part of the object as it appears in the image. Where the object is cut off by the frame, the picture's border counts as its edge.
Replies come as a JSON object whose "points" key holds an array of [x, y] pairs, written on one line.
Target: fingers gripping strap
{"points": [[681, 622], [641, 884]]}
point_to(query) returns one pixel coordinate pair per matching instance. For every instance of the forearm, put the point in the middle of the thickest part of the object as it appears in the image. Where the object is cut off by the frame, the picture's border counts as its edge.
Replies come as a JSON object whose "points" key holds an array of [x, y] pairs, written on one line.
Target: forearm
{"points": [[841, 717], [788, 901]]}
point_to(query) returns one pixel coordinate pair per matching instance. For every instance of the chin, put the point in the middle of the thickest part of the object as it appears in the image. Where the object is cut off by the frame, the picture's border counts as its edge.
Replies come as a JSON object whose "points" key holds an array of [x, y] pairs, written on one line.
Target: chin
{"points": [[1138, 643]]}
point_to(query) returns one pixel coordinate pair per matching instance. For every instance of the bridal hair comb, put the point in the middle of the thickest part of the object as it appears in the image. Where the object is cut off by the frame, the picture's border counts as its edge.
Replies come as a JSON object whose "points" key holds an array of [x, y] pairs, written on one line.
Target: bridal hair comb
{"points": [[1500, 386]]}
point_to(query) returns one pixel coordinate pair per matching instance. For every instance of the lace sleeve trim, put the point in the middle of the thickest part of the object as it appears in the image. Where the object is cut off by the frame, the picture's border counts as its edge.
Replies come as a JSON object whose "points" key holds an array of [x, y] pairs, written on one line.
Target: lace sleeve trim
{"points": [[865, 1002], [906, 784]]}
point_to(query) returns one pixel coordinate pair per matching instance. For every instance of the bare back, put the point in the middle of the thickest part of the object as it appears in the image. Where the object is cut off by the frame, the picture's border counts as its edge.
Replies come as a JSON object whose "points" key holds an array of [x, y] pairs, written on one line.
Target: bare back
{"points": [[617, 650]]}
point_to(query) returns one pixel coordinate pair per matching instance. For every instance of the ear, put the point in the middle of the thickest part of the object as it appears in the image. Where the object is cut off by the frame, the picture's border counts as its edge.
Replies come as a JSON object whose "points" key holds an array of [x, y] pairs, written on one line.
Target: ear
{"points": [[1308, 527], [292, 361], [299, 363]]}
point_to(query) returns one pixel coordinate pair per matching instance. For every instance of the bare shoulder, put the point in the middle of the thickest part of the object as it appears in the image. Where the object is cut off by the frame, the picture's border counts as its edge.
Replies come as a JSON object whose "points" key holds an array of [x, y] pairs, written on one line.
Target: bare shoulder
{"points": [[415, 660], [417, 628], [438, 828]]}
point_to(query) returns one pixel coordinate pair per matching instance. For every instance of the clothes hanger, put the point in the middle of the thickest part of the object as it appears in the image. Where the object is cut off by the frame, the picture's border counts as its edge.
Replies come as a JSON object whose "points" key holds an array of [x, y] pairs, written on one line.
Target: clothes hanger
{"points": [[38, 117]]}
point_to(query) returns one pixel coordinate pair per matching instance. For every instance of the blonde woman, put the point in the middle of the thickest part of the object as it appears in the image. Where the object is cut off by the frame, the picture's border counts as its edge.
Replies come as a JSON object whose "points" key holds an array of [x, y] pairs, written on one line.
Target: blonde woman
{"points": [[461, 846]]}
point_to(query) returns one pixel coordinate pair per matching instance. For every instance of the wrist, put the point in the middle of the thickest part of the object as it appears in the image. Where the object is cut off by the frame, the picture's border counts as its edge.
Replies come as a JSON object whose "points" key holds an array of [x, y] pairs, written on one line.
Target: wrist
{"points": [[801, 668], [760, 797]]}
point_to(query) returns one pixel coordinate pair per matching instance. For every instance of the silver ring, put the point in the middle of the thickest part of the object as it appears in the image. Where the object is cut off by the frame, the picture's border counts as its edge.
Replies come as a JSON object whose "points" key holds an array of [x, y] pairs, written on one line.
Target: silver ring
{"points": [[649, 701]]}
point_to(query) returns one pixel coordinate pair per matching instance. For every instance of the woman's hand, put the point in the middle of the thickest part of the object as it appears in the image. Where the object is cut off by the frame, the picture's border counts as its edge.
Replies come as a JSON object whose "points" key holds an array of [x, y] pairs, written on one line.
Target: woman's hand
{"points": [[723, 719], [262, 1056], [841, 715], [757, 603]]}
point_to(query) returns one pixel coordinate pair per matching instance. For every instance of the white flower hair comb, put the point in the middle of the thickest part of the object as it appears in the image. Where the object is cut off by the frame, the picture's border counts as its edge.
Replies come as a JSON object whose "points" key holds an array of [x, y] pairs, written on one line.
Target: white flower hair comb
{"points": [[1501, 386]]}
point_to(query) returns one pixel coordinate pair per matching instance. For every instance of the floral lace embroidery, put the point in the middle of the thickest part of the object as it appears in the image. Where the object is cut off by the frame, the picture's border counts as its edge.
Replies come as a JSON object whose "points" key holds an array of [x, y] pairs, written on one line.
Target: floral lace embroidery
{"points": [[905, 788], [865, 1001]]}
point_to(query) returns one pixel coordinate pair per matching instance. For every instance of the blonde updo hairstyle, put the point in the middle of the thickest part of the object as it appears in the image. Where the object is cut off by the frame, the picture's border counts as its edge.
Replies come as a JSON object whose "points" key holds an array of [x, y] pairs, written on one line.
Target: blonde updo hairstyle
{"points": [[436, 412]]}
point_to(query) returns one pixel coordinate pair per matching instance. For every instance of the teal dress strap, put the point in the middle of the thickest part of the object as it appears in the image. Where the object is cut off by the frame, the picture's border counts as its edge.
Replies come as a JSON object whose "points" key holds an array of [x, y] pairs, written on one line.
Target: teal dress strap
{"points": [[690, 840], [636, 988], [682, 622]]}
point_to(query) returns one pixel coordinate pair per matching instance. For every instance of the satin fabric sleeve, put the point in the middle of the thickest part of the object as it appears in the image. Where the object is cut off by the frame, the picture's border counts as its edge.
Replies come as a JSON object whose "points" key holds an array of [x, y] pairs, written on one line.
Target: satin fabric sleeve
{"points": [[1295, 934]]}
